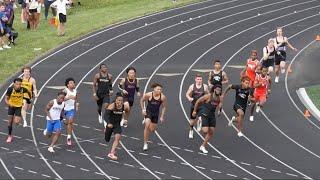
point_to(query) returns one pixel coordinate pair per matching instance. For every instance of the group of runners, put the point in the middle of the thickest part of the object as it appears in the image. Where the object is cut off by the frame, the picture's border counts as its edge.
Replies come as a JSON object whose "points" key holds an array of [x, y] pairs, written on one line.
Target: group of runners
{"points": [[206, 99]]}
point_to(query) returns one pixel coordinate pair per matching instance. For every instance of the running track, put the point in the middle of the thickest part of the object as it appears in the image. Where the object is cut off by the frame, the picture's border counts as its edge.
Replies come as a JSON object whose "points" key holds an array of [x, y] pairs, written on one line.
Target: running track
{"points": [[280, 143]]}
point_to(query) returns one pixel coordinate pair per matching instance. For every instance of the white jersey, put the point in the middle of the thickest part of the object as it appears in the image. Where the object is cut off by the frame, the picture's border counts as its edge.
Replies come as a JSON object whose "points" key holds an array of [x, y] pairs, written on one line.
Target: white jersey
{"points": [[55, 110], [69, 104]]}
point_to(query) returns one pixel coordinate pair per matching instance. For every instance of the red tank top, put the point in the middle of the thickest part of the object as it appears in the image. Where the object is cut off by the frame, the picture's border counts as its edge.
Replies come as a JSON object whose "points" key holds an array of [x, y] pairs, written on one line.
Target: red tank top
{"points": [[265, 84], [251, 68]]}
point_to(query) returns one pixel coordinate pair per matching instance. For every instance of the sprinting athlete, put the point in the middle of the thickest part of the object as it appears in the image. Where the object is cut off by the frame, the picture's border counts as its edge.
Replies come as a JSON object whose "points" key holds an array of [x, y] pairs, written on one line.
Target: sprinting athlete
{"points": [[155, 100], [195, 91], [29, 83], [243, 94], [71, 106], [252, 66], [54, 111], [102, 89], [129, 86], [281, 42], [217, 76], [268, 56], [210, 102], [113, 117], [262, 85], [14, 100]]}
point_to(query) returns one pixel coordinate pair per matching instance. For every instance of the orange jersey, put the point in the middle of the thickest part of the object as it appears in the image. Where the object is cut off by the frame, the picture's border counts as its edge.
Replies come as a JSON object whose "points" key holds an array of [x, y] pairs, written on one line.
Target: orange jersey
{"points": [[251, 69], [264, 81]]}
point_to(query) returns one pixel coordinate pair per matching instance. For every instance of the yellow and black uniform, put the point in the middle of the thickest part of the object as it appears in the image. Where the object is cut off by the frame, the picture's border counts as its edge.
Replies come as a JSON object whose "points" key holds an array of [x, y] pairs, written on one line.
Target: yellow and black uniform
{"points": [[16, 100], [28, 85]]}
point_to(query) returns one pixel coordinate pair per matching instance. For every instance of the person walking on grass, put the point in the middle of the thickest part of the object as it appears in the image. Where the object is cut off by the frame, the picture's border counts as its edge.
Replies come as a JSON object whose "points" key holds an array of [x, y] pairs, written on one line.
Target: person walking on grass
{"points": [[61, 9]]}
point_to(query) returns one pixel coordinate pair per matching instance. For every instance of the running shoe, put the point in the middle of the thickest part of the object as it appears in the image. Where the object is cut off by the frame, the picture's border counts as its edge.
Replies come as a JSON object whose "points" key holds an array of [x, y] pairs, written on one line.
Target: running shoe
{"points": [[240, 134], [199, 124], [9, 139], [100, 119], [276, 80], [145, 147], [231, 121], [25, 124], [112, 156], [203, 149], [50, 149], [258, 108], [251, 118], [6, 47], [191, 134], [45, 132], [69, 141]]}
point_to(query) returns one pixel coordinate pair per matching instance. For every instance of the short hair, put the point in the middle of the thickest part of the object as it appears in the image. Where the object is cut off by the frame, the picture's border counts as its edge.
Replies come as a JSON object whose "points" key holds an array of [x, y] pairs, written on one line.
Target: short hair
{"points": [[62, 93], [131, 68], [269, 40], [17, 80], [254, 52], [245, 78], [216, 61], [26, 67], [214, 87], [198, 75], [68, 80], [154, 85], [102, 65]]}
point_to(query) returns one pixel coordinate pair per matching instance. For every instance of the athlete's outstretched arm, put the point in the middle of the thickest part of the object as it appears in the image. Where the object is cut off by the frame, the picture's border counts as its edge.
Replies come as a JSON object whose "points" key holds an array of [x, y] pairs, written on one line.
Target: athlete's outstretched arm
{"points": [[138, 88], [34, 87], [290, 45], [144, 98], [163, 107], [243, 72], [225, 78], [47, 109], [227, 90], [265, 54], [189, 93], [94, 84], [121, 86]]}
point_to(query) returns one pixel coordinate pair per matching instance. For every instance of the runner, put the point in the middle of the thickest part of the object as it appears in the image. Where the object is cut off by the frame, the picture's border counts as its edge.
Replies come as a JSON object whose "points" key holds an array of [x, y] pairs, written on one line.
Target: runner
{"points": [[262, 86], [243, 94], [54, 112], [71, 106], [155, 99], [29, 83], [195, 91], [217, 76], [113, 117], [207, 113], [102, 89], [280, 59], [14, 100], [253, 65], [129, 86], [268, 56]]}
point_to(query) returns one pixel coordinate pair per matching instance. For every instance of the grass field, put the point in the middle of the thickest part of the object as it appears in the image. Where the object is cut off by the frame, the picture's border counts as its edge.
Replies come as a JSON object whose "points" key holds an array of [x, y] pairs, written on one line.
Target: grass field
{"points": [[105, 12], [314, 94]]}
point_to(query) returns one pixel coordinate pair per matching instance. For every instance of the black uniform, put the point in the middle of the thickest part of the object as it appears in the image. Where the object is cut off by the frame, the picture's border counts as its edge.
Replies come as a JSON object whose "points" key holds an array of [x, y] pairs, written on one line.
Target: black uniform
{"points": [[103, 90], [113, 117], [196, 94], [153, 109], [241, 98], [216, 78], [131, 88], [270, 61], [207, 112], [283, 55]]}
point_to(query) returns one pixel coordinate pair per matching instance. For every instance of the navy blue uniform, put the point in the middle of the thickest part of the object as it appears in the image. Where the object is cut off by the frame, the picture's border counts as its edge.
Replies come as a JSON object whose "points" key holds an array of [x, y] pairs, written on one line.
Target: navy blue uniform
{"points": [[130, 87], [216, 79], [283, 55], [113, 117], [196, 94], [241, 98], [270, 61]]}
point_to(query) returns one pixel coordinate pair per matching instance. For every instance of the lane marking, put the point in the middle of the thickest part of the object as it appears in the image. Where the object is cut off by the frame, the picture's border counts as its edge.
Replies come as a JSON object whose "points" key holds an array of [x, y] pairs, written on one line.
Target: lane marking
{"points": [[144, 154], [215, 171], [157, 157], [97, 157], [159, 172], [30, 155], [176, 177], [260, 167], [217, 157], [292, 175], [19, 168], [200, 167], [174, 147], [69, 165], [83, 169], [57, 162], [245, 163], [169, 74], [188, 150], [275, 171], [130, 165], [33, 172], [232, 175], [44, 175], [170, 160]]}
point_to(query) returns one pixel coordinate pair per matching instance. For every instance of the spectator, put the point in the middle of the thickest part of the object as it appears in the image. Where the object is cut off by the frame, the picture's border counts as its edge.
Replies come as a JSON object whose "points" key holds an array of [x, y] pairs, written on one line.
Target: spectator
{"points": [[61, 7], [9, 13], [24, 13], [32, 9], [47, 4], [4, 35]]}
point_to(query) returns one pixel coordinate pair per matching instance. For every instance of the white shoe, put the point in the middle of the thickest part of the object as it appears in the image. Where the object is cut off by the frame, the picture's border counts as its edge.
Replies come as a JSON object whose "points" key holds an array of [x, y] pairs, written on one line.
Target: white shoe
{"points": [[276, 80], [199, 124], [145, 146], [100, 119], [203, 149], [251, 118], [191, 134], [50, 149], [231, 121], [1, 49], [6, 47], [283, 70], [45, 132], [25, 124], [240, 134], [258, 108]]}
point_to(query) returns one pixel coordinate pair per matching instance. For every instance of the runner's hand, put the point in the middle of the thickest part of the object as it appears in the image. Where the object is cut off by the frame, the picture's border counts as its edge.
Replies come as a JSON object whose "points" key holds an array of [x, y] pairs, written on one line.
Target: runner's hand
{"points": [[138, 94], [110, 125], [144, 112], [125, 92], [194, 113], [190, 99]]}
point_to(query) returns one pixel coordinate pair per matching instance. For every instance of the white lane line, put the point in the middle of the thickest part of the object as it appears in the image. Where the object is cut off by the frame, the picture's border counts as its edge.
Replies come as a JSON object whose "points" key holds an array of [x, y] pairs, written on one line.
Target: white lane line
{"points": [[83, 169], [114, 161], [232, 175], [7, 149], [70, 150], [159, 172], [170, 160], [188, 150], [57, 162], [202, 154], [30, 155], [33, 172], [215, 171], [185, 164], [69, 165], [99, 173], [97, 129], [144, 154], [17, 152], [85, 126], [103, 144], [44, 175], [38, 115], [291, 175], [130, 165], [7, 170], [260, 167], [217, 157], [157, 157], [134, 138], [275, 171], [200, 167], [45, 144], [245, 163], [29, 140], [113, 177], [19, 168], [245, 179], [160, 144], [174, 147], [97, 157], [176, 177]]}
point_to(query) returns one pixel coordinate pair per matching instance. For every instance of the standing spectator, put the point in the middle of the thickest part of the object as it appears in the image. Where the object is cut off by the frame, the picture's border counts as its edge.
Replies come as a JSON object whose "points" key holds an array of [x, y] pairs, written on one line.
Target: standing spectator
{"points": [[4, 35], [32, 9], [9, 13], [47, 4], [23, 11], [61, 7]]}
